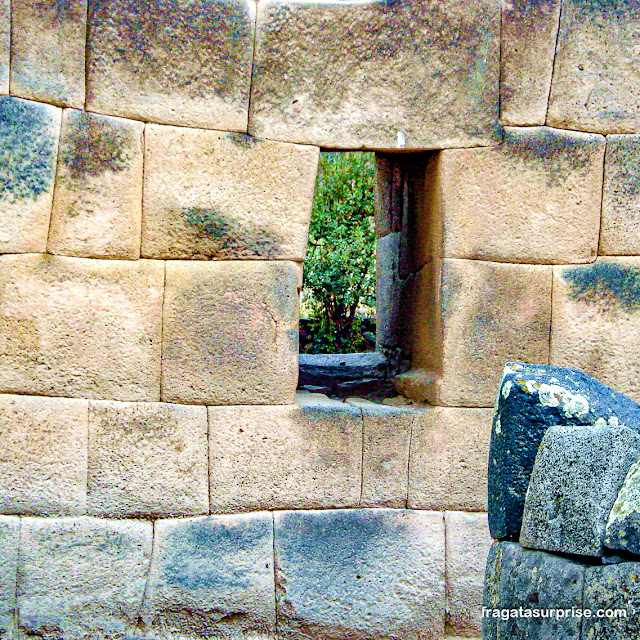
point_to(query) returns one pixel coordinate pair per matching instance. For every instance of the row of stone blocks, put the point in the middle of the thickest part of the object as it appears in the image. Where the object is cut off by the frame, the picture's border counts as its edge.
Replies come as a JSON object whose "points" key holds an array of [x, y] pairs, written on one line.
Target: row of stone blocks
{"points": [[564, 464], [340, 574]]}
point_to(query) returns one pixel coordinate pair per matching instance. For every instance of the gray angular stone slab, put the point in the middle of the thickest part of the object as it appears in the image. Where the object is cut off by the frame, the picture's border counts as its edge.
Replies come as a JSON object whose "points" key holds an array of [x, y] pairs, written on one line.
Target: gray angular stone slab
{"points": [[9, 534], [530, 399], [212, 576], [375, 573], [623, 525], [575, 481], [532, 580], [615, 586]]}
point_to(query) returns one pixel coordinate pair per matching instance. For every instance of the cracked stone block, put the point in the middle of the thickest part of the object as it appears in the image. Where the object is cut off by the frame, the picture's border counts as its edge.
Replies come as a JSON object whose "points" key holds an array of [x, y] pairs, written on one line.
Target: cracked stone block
{"points": [[82, 577], [28, 148], [596, 321], [184, 62], [486, 314], [77, 327], [530, 399], [574, 483], [147, 459], [231, 332], [374, 573], [5, 44], [529, 30], [9, 549], [97, 204], [411, 75], [306, 456], [48, 49], [448, 465], [467, 544], [210, 194], [536, 198], [212, 577], [43, 466], [596, 92], [620, 233]]}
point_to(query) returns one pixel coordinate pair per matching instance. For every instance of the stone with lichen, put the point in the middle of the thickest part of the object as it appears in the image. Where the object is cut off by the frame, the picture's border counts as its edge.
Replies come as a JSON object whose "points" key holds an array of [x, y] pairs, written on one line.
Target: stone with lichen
{"points": [[623, 525]]}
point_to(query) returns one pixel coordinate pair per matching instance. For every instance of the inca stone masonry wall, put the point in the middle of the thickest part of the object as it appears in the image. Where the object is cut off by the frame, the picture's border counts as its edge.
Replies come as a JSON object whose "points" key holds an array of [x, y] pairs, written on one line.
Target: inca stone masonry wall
{"points": [[157, 163]]}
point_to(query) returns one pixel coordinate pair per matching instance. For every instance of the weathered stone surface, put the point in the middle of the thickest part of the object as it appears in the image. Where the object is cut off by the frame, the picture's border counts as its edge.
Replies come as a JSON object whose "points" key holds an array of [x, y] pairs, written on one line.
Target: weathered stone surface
{"points": [[623, 524], [306, 456], [375, 573], [530, 399], [147, 459], [212, 577], [48, 47], [597, 92], [225, 195], [370, 75], [43, 465], [529, 30], [28, 147], [448, 465], [230, 332], [486, 314], [176, 62], [620, 232], [535, 198], [9, 543], [97, 204], [5, 44], [574, 484], [612, 587], [82, 577], [534, 581], [467, 546], [596, 321], [77, 327]]}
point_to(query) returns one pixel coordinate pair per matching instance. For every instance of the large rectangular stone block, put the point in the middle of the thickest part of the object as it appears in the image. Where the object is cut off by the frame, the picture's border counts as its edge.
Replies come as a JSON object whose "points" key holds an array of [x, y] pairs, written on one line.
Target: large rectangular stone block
{"points": [[97, 204], [77, 327], [596, 92], [225, 195], [230, 332], [448, 464], [43, 466], [82, 577], [412, 75], [185, 62], [596, 321], [375, 573], [9, 549], [48, 40], [536, 198], [147, 459], [306, 456], [29, 134], [212, 577]]}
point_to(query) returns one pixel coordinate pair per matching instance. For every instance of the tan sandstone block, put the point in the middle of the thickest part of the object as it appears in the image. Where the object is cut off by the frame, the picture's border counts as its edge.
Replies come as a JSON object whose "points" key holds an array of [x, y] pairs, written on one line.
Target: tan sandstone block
{"points": [[80, 328], [82, 577], [43, 465], [5, 44], [486, 314], [411, 75], [147, 459], [596, 321], [448, 460], [306, 456], [529, 31], [230, 332], [620, 232], [28, 151], [535, 198], [467, 546], [224, 195], [48, 48], [185, 62], [596, 78], [97, 205]]}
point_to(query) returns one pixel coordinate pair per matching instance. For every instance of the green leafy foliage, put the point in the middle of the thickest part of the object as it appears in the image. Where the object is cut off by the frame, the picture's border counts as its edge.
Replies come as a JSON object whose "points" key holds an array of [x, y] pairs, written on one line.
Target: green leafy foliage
{"points": [[339, 273]]}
